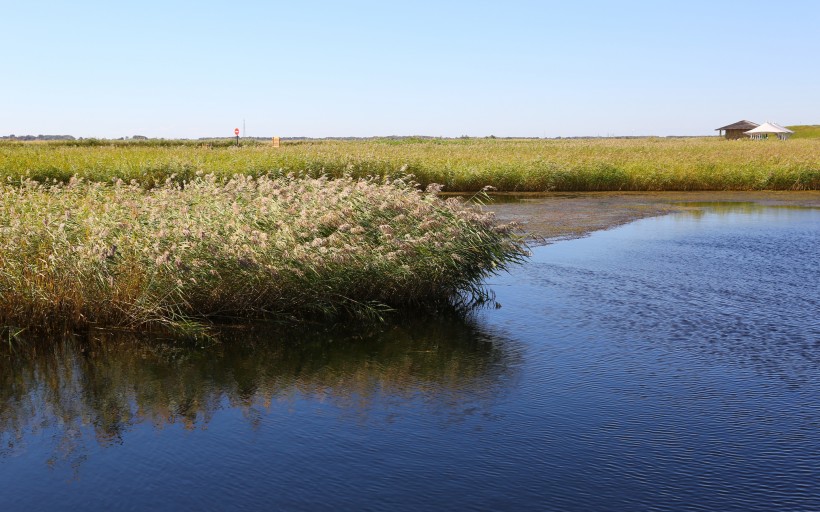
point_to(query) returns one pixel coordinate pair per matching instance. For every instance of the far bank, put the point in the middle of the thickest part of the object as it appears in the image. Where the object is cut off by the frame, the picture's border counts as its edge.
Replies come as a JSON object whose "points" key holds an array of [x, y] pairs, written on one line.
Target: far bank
{"points": [[460, 165]]}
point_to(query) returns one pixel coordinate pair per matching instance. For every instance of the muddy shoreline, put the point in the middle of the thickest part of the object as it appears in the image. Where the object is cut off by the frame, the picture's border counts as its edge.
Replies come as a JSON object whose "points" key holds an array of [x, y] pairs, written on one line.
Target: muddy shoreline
{"points": [[546, 218]]}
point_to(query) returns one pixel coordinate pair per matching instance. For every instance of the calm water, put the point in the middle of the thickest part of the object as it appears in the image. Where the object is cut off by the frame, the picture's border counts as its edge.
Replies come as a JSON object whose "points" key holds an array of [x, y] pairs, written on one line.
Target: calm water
{"points": [[670, 364]]}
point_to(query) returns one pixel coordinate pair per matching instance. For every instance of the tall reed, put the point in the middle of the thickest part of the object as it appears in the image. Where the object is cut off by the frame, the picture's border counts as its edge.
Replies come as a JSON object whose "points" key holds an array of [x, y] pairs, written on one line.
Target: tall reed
{"points": [[460, 165], [84, 254]]}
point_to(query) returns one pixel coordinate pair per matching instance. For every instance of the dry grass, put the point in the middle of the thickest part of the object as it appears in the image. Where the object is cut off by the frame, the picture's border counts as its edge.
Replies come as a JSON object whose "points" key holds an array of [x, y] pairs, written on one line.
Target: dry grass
{"points": [[87, 254], [647, 164], [171, 234]]}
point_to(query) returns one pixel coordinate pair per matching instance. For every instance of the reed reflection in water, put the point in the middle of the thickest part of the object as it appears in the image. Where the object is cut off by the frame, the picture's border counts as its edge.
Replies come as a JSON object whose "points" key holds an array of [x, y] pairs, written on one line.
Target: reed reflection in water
{"points": [[75, 391]]}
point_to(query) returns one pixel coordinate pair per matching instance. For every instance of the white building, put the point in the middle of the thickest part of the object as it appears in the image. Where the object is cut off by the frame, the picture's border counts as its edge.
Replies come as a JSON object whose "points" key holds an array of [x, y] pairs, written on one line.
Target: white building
{"points": [[763, 131]]}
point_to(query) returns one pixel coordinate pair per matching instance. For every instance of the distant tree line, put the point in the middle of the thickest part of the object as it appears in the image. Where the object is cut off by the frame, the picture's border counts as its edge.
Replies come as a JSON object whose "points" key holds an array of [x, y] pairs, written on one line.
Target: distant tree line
{"points": [[36, 137], [60, 137]]}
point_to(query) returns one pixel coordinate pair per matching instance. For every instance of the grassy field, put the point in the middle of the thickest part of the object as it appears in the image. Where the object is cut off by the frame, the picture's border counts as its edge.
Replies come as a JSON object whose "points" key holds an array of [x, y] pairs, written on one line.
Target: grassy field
{"points": [[645, 164], [87, 254], [809, 131], [173, 234]]}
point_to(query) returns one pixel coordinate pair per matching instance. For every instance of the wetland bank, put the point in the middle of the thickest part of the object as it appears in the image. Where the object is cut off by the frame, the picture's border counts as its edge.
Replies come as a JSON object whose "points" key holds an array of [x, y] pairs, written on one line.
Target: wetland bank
{"points": [[173, 233], [88, 255], [661, 354]]}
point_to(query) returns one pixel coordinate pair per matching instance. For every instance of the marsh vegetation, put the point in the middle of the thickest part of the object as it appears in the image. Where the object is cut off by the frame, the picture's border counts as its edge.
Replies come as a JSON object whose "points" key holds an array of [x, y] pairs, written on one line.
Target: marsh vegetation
{"points": [[645, 164], [176, 234], [84, 254]]}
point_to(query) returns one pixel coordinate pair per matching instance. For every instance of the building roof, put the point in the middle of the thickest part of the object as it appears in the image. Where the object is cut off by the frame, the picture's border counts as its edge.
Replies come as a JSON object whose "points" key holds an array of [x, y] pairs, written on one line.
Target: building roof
{"points": [[769, 128], [740, 125]]}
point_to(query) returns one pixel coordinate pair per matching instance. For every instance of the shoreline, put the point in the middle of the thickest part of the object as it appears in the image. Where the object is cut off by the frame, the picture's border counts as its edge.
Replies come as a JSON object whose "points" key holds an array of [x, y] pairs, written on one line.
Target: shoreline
{"points": [[546, 218]]}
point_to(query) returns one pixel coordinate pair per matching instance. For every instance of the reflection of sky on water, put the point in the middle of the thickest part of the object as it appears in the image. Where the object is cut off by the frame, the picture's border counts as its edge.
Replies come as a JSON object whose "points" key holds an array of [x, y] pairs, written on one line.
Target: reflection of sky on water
{"points": [[684, 353], [738, 283]]}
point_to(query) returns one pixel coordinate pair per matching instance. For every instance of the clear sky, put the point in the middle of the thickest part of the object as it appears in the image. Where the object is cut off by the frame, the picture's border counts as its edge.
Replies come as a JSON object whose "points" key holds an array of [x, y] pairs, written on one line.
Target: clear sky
{"points": [[443, 68]]}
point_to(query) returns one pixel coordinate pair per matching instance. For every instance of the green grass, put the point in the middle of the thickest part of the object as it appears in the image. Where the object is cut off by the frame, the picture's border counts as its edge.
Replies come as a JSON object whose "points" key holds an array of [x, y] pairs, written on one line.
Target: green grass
{"points": [[649, 164], [809, 131], [176, 234], [87, 254]]}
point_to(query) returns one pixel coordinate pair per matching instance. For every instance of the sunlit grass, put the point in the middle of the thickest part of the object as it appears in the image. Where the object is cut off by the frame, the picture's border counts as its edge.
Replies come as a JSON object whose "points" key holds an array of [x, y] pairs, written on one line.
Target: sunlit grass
{"points": [[461, 165], [163, 233], [810, 131], [88, 254]]}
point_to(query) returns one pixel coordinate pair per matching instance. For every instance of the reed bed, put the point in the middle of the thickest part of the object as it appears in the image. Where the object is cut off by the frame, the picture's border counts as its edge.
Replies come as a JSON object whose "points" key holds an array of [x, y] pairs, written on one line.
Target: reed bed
{"points": [[85, 254], [466, 165]]}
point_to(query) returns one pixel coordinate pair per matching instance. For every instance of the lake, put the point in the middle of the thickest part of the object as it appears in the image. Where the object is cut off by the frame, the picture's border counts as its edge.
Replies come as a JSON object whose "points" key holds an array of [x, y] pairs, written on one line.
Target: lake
{"points": [[669, 364]]}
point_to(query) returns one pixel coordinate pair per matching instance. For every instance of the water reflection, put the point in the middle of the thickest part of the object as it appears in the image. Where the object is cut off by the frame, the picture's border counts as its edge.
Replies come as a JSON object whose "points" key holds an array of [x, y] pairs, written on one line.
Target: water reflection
{"points": [[79, 390], [700, 209]]}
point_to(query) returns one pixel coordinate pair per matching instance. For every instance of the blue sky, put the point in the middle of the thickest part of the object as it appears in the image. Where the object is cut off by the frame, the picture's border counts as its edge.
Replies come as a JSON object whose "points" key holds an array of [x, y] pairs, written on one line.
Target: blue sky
{"points": [[362, 68]]}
